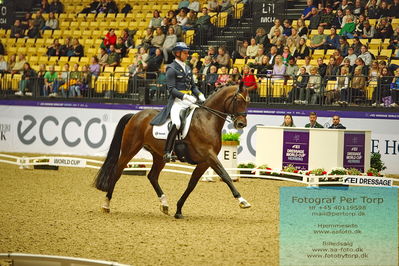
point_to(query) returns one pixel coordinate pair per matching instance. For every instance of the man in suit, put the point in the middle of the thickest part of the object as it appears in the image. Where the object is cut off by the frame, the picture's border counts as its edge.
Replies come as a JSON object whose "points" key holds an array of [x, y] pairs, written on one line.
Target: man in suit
{"points": [[313, 121], [181, 87], [336, 123]]}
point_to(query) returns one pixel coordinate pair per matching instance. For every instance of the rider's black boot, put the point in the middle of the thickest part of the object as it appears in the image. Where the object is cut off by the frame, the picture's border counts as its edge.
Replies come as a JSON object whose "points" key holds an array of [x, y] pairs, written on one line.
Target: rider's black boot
{"points": [[170, 141]]}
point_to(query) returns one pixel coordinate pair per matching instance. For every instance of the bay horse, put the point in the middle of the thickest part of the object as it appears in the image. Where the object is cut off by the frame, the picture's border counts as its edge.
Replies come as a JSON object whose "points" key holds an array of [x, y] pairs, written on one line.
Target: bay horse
{"points": [[203, 140]]}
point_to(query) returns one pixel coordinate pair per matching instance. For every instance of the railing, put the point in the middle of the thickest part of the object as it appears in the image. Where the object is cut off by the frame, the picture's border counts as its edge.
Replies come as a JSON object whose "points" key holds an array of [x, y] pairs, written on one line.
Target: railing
{"points": [[145, 88]]}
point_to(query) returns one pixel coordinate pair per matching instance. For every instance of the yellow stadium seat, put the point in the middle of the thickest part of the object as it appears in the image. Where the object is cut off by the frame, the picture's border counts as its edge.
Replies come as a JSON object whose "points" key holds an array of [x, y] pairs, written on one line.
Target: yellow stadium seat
{"points": [[370, 88], [65, 24], [120, 16], [30, 42], [74, 59], [123, 24], [67, 33], [395, 62], [386, 53], [41, 51], [34, 59], [239, 63], [84, 60], [32, 50], [109, 69], [239, 9], [100, 16], [92, 51], [90, 17], [330, 85], [121, 83], [63, 59], [53, 59], [104, 82], [84, 25], [94, 25], [103, 25], [77, 34], [39, 42], [81, 16], [22, 50], [74, 25]]}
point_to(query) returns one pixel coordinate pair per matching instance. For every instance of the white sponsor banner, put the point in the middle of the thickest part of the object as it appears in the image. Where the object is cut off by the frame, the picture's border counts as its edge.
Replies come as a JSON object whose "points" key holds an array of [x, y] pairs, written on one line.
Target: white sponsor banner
{"points": [[368, 181], [67, 161], [89, 131]]}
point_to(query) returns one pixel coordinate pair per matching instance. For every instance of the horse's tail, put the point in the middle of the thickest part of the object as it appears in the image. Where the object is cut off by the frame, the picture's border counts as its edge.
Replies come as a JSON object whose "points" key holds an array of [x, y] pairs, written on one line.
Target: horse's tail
{"points": [[107, 169]]}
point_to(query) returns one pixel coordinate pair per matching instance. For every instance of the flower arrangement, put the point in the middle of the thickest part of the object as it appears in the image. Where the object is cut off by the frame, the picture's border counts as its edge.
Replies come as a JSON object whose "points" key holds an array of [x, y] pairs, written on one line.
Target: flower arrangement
{"points": [[338, 171], [317, 171], [290, 169], [353, 171], [373, 172], [265, 167]]}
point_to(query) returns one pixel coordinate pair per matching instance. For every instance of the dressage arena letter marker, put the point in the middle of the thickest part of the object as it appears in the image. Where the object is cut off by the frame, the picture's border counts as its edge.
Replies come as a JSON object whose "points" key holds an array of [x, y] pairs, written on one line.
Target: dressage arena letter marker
{"points": [[337, 227]]}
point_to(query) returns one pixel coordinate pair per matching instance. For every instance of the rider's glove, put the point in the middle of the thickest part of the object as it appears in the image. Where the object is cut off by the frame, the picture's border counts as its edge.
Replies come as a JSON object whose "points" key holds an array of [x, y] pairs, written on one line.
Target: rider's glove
{"points": [[201, 97], [189, 98]]}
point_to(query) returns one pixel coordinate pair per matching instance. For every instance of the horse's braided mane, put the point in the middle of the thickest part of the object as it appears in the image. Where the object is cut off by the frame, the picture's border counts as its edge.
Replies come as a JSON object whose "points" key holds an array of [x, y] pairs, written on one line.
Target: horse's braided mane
{"points": [[210, 97]]}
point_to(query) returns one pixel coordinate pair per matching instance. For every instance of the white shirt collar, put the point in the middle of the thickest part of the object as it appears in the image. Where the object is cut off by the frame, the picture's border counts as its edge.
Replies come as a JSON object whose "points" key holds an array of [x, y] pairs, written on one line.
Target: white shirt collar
{"points": [[182, 64]]}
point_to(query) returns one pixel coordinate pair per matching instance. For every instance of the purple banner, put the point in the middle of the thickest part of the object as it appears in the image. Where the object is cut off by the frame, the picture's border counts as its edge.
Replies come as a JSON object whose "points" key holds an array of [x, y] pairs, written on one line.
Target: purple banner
{"points": [[354, 150], [296, 149]]}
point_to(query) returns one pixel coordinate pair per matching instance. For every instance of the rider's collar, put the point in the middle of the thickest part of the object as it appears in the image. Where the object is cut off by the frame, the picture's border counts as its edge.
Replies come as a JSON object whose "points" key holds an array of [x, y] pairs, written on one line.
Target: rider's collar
{"points": [[181, 63]]}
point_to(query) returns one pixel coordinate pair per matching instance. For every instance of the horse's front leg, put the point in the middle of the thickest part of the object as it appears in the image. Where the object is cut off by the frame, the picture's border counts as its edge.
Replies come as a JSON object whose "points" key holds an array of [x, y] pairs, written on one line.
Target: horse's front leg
{"points": [[219, 169]]}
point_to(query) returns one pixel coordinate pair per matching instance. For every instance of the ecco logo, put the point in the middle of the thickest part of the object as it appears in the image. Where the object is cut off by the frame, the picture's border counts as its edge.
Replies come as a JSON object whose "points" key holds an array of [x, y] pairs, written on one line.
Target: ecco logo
{"points": [[44, 137]]}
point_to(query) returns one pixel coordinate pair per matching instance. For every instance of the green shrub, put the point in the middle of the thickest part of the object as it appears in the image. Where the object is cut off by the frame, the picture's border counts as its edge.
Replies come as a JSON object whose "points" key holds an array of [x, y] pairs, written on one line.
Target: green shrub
{"points": [[376, 162], [246, 165], [231, 136]]}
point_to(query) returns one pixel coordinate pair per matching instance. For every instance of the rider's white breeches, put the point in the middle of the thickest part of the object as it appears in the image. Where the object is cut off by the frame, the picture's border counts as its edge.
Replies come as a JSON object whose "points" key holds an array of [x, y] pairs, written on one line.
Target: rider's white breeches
{"points": [[178, 105]]}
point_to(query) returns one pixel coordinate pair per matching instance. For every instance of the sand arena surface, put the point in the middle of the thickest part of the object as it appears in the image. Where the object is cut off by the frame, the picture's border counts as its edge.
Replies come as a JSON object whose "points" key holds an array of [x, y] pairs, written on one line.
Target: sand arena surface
{"points": [[58, 213]]}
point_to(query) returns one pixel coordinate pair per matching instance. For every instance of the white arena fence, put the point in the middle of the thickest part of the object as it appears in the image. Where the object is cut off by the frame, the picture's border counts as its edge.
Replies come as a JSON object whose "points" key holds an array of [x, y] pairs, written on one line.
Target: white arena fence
{"points": [[22, 259], [309, 180]]}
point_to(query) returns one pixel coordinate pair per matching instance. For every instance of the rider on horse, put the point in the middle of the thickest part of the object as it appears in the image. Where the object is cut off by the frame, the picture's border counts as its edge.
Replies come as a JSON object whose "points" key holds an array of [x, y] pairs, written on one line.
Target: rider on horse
{"points": [[181, 87]]}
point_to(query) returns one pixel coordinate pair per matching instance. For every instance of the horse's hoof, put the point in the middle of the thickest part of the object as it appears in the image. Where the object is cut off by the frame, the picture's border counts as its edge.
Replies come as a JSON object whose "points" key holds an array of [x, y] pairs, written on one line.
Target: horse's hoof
{"points": [[105, 209], [165, 209], [244, 205], [179, 216]]}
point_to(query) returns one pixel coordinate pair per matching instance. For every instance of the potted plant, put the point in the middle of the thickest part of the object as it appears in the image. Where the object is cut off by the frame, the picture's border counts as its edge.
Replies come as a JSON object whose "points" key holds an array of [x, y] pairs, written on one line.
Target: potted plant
{"points": [[291, 169], [44, 166], [353, 171], [373, 172], [264, 167], [231, 139], [246, 166], [136, 170]]}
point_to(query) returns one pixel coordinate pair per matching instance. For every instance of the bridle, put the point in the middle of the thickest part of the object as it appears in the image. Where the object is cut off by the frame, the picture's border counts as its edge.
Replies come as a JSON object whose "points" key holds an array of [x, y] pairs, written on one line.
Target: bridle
{"points": [[234, 115]]}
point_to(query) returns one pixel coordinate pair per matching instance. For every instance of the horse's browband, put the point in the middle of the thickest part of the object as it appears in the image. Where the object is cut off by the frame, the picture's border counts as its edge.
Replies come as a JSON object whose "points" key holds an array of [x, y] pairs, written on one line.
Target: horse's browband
{"points": [[242, 96]]}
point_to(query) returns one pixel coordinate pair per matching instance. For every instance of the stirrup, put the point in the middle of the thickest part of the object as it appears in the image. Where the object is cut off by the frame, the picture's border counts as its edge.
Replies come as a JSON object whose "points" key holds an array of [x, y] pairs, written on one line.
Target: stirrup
{"points": [[168, 157]]}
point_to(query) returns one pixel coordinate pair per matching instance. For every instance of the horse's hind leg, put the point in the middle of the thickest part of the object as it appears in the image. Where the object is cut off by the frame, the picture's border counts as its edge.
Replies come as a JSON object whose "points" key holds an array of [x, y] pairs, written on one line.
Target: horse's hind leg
{"points": [[219, 169], [124, 158], [197, 173], [153, 175]]}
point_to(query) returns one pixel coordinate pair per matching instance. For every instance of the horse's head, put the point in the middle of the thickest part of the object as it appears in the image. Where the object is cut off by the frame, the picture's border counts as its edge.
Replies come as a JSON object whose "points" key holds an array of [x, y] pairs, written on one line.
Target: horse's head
{"points": [[238, 105]]}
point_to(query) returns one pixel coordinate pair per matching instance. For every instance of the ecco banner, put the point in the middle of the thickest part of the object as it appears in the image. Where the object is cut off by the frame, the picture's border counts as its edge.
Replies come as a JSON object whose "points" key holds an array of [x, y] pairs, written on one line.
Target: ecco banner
{"points": [[81, 130]]}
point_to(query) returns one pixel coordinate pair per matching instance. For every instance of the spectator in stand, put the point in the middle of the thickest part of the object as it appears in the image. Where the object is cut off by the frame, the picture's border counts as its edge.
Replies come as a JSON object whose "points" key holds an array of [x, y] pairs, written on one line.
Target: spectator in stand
{"points": [[147, 38], [261, 37], [302, 49], [368, 31], [153, 64], [102, 57], [225, 6], [322, 67], [357, 46], [40, 79], [338, 19], [292, 68], [342, 84], [183, 4], [127, 39], [210, 80], [315, 19], [302, 29], [306, 14], [195, 61], [358, 86], [27, 82], [277, 25], [348, 15], [191, 21], [384, 29], [12, 60], [332, 41], [359, 63], [374, 71], [45, 6], [182, 18], [265, 67], [252, 49], [287, 28], [223, 57], [213, 6], [346, 63], [235, 76], [318, 41], [17, 30], [294, 38], [212, 53], [206, 67], [120, 47], [394, 9], [343, 46], [178, 29], [157, 41], [327, 18], [241, 51], [171, 14], [54, 49], [156, 20], [49, 79], [74, 82], [223, 78], [278, 68], [351, 56], [249, 82], [373, 10], [272, 55], [90, 8], [384, 10], [61, 83], [359, 25], [33, 31], [313, 121], [393, 42], [313, 89], [56, 7], [204, 25], [3, 66], [338, 57], [110, 38], [39, 22], [2, 50], [25, 20], [286, 55], [279, 45], [77, 48], [300, 84], [85, 81], [358, 9], [94, 67], [113, 57], [336, 124], [395, 90], [348, 29], [332, 69], [291, 46], [344, 5], [19, 65], [194, 6], [277, 37], [365, 55], [165, 25], [168, 44], [51, 23], [258, 59]]}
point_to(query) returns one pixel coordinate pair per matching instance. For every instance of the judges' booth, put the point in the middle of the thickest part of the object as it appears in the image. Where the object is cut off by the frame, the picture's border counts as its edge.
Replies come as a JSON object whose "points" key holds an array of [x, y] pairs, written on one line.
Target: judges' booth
{"points": [[311, 148]]}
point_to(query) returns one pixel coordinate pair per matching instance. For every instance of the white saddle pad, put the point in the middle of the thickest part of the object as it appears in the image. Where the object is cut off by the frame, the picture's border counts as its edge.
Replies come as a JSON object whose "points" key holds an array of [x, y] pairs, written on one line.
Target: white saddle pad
{"points": [[161, 131]]}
